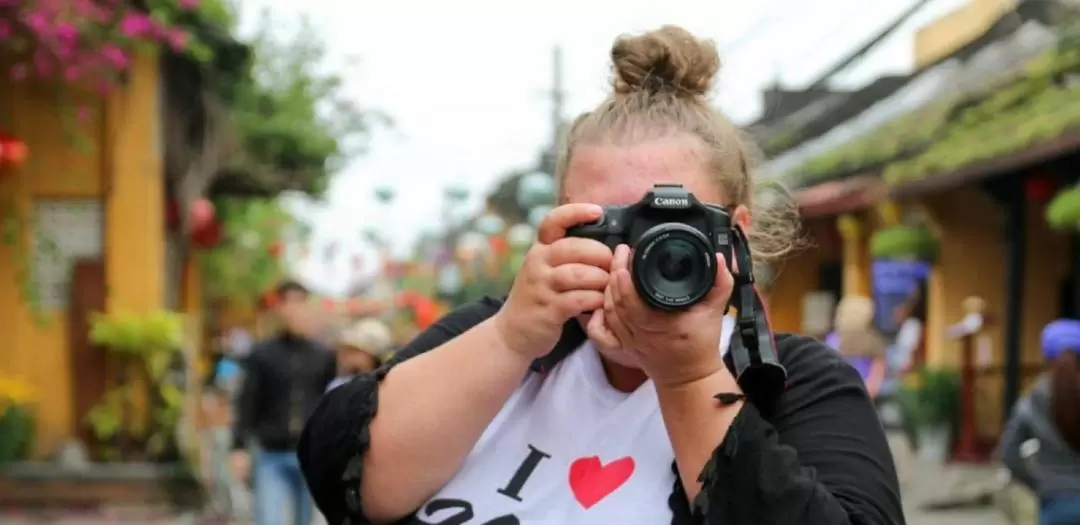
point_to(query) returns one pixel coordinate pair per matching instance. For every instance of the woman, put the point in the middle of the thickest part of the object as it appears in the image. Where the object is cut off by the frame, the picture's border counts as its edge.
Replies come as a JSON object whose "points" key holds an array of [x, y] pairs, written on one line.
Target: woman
{"points": [[360, 348], [571, 402], [1041, 444], [857, 340]]}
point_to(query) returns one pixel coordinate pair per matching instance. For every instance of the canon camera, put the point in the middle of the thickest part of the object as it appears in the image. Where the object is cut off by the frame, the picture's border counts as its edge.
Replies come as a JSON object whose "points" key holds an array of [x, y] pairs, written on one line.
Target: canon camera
{"points": [[674, 239]]}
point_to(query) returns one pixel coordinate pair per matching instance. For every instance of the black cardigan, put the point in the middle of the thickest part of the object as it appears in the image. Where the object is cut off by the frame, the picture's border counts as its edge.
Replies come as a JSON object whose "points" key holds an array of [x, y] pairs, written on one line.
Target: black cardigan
{"points": [[820, 459]]}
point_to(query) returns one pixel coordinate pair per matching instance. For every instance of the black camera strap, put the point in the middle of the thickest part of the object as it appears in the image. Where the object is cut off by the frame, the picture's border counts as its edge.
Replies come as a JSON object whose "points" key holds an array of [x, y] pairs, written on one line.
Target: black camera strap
{"points": [[752, 349]]}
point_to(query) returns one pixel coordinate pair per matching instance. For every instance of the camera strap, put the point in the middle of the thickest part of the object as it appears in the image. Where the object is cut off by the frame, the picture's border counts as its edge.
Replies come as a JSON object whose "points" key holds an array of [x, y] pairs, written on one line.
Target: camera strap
{"points": [[753, 349]]}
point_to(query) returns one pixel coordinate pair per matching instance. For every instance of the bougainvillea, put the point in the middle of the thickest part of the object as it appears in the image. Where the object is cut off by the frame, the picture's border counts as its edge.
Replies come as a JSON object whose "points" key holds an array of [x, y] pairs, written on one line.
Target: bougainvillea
{"points": [[91, 42]]}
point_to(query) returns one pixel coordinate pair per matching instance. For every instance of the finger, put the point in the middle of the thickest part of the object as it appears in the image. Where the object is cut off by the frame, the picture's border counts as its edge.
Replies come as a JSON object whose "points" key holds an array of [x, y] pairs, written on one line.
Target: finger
{"points": [[621, 258], [577, 302], [579, 250], [578, 276], [614, 321], [599, 333], [724, 283], [557, 221]]}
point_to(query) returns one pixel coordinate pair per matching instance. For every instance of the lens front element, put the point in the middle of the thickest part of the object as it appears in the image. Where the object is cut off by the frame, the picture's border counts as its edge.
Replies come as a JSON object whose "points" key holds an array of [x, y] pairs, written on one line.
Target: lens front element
{"points": [[674, 266]]}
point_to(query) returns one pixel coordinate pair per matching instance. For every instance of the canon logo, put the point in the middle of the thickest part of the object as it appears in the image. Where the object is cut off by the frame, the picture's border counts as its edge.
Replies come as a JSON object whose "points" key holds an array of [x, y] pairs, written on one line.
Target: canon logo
{"points": [[671, 202]]}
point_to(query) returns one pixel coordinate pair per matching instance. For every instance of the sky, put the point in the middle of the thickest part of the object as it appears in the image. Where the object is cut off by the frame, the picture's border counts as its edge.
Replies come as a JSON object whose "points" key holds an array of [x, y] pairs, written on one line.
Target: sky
{"points": [[466, 85]]}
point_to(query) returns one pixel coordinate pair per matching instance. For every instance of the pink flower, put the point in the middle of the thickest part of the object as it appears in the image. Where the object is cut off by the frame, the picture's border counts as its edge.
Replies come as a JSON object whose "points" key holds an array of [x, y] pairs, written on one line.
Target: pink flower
{"points": [[37, 22], [135, 25], [67, 32], [178, 39], [5, 29], [115, 56], [19, 72], [72, 73]]}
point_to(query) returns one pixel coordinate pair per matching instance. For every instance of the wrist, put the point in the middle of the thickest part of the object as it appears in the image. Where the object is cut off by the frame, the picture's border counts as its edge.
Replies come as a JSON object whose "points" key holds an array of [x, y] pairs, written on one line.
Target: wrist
{"points": [[506, 343], [705, 387], [689, 375]]}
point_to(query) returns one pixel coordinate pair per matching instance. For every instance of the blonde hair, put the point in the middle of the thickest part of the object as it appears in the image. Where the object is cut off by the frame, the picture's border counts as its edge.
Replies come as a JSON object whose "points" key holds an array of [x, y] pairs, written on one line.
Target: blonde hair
{"points": [[854, 313], [661, 83], [367, 335]]}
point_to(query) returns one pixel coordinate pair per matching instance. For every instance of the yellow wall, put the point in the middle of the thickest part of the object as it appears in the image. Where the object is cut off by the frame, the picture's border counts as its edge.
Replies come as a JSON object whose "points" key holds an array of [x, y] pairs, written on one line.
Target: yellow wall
{"points": [[796, 277], [945, 35], [119, 134], [971, 262], [855, 231]]}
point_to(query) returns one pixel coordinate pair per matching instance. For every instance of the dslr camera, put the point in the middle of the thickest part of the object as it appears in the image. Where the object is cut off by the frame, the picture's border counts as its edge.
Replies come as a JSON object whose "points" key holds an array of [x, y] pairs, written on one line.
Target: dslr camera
{"points": [[674, 239]]}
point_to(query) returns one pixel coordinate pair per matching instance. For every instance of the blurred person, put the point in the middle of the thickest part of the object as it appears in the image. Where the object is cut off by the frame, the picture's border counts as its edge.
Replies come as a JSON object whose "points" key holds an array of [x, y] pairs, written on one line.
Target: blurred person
{"points": [[284, 377], [1041, 442], [911, 317], [571, 401], [360, 348], [855, 338], [224, 489]]}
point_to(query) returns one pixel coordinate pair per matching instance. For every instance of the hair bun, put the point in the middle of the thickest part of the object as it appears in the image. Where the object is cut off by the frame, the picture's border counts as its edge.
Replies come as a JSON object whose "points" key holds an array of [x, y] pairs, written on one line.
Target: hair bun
{"points": [[669, 59]]}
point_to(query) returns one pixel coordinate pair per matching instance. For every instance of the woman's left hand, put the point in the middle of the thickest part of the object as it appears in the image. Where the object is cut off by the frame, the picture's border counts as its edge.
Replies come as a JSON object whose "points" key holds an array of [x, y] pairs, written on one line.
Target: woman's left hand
{"points": [[672, 348]]}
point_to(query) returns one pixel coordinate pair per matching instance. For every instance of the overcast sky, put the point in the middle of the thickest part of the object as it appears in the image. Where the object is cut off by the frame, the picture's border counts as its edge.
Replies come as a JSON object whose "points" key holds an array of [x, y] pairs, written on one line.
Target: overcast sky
{"points": [[465, 83]]}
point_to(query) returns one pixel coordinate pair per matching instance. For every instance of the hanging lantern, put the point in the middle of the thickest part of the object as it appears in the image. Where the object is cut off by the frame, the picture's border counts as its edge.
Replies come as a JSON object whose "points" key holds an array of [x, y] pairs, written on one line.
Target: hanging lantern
{"points": [[201, 214], [209, 236], [172, 214], [270, 299], [13, 152], [1039, 187], [275, 249]]}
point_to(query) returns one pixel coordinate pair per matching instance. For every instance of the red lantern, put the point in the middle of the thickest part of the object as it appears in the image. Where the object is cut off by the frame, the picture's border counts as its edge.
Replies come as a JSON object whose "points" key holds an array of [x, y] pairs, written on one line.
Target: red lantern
{"points": [[275, 249], [329, 305], [172, 214], [13, 152], [201, 214], [1039, 187], [209, 236], [270, 300]]}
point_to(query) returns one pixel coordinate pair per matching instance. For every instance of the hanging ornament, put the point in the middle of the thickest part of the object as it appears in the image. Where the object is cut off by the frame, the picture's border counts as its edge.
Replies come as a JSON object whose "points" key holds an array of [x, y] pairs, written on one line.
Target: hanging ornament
{"points": [[13, 152], [275, 249], [209, 236], [270, 299], [1039, 187], [201, 214]]}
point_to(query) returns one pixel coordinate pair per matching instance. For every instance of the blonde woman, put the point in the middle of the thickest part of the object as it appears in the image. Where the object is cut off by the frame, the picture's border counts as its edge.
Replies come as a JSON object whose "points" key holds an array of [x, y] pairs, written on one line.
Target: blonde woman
{"points": [[856, 339]]}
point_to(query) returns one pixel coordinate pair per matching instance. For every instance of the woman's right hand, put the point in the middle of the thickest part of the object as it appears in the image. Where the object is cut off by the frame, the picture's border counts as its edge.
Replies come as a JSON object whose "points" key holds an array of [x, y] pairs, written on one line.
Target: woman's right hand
{"points": [[561, 278]]}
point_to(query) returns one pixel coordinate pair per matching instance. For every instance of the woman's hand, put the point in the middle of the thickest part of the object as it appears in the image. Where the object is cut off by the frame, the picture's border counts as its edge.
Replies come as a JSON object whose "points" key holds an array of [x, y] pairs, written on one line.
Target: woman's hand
{"points": [[561, 278], [672, 348]]}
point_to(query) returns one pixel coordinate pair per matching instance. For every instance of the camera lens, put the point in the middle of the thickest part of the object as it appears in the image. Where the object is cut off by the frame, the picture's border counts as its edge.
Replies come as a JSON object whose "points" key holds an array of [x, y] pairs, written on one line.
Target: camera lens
{"points": [[675, 260], [674, 266]]}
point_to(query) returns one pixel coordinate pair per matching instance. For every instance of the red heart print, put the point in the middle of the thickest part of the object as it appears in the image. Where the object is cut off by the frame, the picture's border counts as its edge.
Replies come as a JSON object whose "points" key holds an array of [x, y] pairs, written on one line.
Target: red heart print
{"points": [[592, 481]]}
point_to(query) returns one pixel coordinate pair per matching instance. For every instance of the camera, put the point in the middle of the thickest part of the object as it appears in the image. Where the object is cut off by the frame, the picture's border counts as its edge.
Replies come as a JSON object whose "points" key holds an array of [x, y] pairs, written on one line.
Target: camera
{"points": [[674, 239]]}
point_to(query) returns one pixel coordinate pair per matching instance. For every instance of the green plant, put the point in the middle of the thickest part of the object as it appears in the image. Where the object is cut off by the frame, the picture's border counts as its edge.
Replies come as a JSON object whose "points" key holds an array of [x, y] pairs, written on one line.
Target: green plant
{"points": [[931, 398], [904, 243], [1063, 212], [17, 423], [146, 346]]}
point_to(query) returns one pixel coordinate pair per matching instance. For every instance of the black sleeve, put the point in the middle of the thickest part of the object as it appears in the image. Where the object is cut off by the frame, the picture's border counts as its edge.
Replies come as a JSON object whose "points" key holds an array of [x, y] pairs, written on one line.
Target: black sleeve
{"points": [[823, 459], [336, 436], [246, 404]]}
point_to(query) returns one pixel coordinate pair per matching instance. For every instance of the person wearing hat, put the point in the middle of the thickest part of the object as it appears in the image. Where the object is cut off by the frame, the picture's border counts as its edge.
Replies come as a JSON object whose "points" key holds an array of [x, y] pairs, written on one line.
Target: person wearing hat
{"points": [[1041, 443], [359, 349]]}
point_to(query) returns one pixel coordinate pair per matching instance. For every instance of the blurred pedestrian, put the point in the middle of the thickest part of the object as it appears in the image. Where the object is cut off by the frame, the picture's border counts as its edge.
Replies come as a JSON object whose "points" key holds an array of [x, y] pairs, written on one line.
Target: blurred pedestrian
{"points": [[1041, 443], [360, 349], [225, 490], [284, 378], [856, 339]]}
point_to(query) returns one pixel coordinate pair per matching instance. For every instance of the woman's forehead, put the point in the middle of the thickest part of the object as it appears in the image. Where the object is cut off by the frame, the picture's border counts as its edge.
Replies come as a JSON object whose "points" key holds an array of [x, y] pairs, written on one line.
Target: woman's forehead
{"points": [[616, 174]]}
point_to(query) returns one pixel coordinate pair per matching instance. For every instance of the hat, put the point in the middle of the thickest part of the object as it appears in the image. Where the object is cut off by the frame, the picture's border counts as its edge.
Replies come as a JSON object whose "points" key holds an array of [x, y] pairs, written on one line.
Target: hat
{"points": [[368, 335], [1059, 336]]}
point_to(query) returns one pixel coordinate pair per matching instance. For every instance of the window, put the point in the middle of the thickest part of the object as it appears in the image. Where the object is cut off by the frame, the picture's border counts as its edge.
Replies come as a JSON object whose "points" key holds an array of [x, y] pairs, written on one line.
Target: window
{"points": [[66, 230]]}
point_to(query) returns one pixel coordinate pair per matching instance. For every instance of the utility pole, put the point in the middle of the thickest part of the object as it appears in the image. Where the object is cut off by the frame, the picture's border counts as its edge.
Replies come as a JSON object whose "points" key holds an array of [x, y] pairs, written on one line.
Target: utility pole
{"points": [[557, 97]]}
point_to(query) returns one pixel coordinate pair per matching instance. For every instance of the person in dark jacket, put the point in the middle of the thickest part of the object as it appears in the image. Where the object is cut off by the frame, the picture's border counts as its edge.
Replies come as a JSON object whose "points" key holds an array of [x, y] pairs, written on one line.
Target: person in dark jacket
{"points": [[284, 378], [1041, 442], [571, 402]]}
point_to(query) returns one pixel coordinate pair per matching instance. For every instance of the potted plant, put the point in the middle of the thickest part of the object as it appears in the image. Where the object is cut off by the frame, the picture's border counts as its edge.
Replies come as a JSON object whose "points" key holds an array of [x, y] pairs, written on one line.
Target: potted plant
{"points": [[904, 243], [930, 407], [147, 347], [16, 419]]}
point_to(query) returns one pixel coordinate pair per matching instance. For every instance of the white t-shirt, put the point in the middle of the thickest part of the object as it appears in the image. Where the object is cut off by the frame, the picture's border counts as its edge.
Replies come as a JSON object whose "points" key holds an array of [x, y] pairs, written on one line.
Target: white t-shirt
{"points": [[568, 449]]}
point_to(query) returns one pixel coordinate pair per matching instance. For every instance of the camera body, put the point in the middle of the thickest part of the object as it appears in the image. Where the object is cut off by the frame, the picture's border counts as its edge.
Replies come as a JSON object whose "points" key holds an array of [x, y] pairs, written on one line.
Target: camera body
{"points": [[674, 239]]}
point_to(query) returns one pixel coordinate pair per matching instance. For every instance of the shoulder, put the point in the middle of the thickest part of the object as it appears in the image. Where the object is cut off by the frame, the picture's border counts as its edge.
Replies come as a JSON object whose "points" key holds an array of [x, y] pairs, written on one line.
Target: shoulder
{"points": [[816, 373], [451, 325]]}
